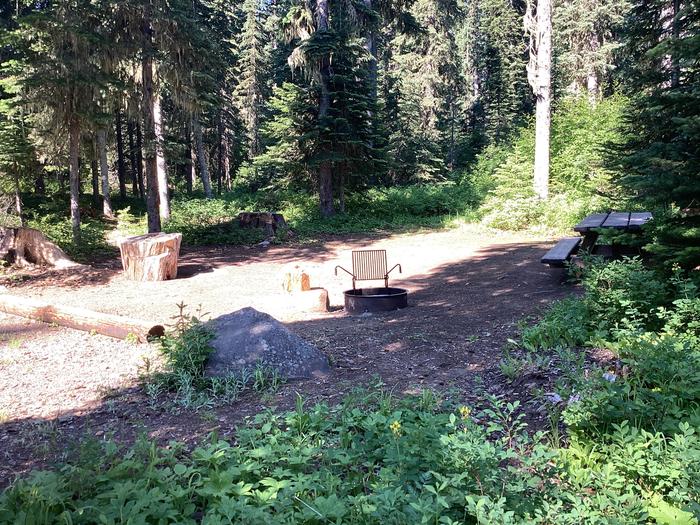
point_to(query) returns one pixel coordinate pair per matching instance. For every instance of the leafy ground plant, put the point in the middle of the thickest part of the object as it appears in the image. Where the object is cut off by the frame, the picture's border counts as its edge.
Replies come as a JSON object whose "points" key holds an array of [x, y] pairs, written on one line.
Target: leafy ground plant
{"points": [[374, 459]]}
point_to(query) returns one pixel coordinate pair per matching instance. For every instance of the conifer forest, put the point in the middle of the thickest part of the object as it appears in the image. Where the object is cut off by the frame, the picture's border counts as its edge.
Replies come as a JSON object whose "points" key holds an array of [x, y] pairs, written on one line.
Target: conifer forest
{"points": [[160, 99], [350, 261]]}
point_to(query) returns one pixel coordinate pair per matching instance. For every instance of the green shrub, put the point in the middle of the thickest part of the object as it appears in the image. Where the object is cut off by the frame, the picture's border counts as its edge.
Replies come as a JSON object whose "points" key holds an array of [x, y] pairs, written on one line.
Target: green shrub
{"points": [[565, 323], [624, 294], [578, 175], [656, 388], [186, 351], [632, 475]]}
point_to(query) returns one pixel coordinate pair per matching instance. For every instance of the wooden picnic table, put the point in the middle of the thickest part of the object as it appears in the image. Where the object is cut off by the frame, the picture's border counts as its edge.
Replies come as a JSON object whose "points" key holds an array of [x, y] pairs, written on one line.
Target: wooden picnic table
{"points": [[589, 229]]}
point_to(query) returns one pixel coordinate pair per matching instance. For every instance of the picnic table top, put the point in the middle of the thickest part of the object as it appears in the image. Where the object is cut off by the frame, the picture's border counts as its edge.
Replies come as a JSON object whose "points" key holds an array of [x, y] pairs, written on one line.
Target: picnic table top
{"points": [[619, 220]]}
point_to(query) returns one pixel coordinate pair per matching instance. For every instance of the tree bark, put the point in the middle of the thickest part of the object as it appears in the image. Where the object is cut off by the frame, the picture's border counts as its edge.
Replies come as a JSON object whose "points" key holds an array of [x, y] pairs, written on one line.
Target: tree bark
{"points": [[226, 159], [675, 32], [121, 166], [74, 175], [203, 169], [18, 199], [592, 84], [371, 47], [189, 159], [163, 196], [149, 125], [151, 257], [540, 78], [341, 192], [592, 87], [28, 246], [80, 319], [132, 158], [325, 169], [104, 172], [94, 169], [139, 161], [220, 170], [39, 182]]}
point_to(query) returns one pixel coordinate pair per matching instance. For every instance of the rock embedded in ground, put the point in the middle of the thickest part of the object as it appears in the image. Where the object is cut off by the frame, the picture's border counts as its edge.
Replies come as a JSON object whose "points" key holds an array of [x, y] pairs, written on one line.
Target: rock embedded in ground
{"points": [[247, 337]]}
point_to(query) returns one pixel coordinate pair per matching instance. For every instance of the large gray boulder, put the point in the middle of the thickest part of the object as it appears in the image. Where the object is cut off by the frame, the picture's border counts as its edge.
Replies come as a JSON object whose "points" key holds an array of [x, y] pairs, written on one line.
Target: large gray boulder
{"points": [[247, 337]]}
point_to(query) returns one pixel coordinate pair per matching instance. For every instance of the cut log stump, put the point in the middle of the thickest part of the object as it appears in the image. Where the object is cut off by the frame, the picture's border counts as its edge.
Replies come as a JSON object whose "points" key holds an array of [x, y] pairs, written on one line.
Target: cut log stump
{"points": [[151, 257], [313, 300], [270, 222]]}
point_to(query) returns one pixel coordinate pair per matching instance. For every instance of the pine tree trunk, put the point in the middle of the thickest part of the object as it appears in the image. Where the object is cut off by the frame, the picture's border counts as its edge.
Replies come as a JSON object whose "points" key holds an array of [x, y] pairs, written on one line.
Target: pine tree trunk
{"points": [[189, 159], [121, 167], [74, 175], [39, 183], [226, 158], [139, 161], [203, 169], [371, 47], [592, 84], [341, 192], [18, 199], [163, 197], [104, 172], [540, 77], [95, 170], [675, 31], [592, 87], [149, 126], [220, 170], [132, 159], [325, 171]]}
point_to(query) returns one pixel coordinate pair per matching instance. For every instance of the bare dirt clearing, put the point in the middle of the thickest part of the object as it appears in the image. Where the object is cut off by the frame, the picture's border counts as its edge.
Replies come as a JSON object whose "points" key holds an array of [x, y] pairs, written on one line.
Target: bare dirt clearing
{"points": [[468, 288]]}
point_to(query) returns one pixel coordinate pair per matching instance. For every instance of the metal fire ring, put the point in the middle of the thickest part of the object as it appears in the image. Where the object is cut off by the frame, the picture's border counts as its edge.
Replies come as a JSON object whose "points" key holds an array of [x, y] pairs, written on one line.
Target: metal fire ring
{"points": [[364, 300]]}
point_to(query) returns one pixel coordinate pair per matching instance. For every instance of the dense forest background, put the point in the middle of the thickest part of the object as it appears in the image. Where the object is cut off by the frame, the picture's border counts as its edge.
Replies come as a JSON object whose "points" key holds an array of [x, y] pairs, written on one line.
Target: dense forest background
{"points": [[347, 101]]}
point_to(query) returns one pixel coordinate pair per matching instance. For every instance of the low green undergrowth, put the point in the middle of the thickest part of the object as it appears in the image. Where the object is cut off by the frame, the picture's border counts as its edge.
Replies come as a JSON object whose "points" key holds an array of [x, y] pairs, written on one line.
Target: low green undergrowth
{"points": [[373, 459], [214, 221], [633, 420], [181, 383], [620, 298]]}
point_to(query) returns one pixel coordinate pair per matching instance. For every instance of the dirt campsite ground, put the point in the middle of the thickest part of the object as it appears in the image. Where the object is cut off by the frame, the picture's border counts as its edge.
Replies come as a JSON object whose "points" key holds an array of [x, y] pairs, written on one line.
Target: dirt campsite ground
{"points": [[468, 290]]}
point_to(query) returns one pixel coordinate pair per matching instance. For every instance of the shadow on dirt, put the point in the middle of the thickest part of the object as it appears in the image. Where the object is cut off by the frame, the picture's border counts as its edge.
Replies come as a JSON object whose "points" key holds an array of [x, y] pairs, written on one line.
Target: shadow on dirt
{"points": [[450, 339]]}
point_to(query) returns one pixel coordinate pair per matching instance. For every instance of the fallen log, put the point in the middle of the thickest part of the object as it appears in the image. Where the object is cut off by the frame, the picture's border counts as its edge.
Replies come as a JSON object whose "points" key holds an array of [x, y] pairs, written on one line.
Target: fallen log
{"points": [[80, 319]]}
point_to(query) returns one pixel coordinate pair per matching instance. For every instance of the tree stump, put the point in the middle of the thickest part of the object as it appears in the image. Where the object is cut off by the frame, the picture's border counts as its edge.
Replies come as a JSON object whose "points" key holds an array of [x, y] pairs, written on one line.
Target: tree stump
{"points": [[270, 222], [151, 257], [28, 247]]}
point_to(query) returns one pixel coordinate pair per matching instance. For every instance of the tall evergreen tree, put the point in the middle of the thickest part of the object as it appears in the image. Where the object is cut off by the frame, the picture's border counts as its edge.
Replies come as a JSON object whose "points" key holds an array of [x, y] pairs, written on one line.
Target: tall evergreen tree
{"points": [[252, 73], [62, 50], [661, 157], [585, 41]]}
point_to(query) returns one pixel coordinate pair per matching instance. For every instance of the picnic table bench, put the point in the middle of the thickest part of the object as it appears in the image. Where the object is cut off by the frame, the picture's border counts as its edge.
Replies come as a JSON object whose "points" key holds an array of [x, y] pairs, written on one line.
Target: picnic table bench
{"points": [[590, 229]]}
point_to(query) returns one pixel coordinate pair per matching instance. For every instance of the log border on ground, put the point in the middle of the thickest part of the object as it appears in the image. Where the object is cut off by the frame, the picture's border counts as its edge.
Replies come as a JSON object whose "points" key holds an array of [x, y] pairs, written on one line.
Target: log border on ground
{"points": [[80, 319]]}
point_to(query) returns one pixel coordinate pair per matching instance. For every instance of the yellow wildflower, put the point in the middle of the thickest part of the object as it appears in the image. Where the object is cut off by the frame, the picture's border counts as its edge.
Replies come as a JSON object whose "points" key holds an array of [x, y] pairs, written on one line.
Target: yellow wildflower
{"points": [[396, 428], [465, 411]]}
